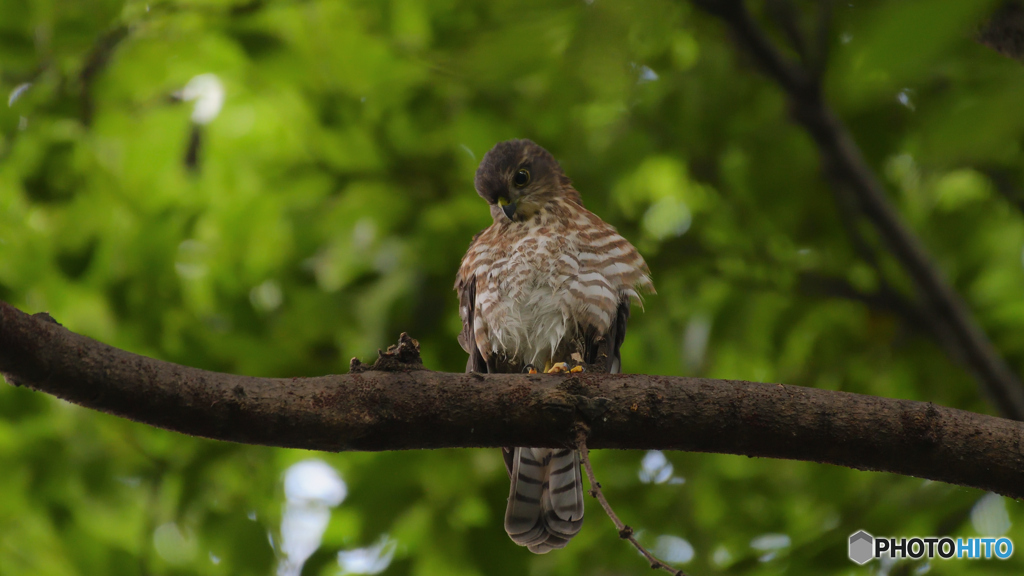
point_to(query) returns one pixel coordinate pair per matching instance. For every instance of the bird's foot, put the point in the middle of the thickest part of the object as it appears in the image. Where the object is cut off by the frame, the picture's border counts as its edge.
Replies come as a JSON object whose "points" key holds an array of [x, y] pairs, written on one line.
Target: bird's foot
{"points": [[563, 367], [558, 368], [529, 369]]}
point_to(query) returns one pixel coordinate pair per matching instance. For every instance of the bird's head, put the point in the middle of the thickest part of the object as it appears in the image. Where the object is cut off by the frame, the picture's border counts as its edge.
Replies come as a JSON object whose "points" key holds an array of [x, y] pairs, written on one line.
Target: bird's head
{"points": [[518, 177]]}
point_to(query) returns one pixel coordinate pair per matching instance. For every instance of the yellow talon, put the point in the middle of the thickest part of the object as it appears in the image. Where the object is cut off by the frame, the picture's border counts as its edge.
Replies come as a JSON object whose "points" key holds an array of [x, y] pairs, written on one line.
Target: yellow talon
{"points": [[558, 368], [576, 369]]}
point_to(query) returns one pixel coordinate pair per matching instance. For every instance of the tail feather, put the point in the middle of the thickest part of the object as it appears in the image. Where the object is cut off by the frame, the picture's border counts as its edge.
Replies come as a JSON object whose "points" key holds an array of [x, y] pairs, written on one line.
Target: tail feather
{"points": [[545, 502]]}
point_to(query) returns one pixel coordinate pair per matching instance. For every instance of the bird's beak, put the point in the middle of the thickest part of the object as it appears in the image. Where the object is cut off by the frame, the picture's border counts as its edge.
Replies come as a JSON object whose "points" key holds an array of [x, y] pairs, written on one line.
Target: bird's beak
{"points": [[509, 208]]}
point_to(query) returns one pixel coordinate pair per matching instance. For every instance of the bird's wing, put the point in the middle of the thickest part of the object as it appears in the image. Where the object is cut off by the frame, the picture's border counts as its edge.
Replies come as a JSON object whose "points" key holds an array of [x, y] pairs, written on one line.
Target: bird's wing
{"points": [[612, 273], [467, 338], [612, 341]]}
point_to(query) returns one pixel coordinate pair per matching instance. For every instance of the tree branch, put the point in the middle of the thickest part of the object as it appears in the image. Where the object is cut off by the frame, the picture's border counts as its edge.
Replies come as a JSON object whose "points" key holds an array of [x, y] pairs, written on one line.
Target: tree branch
{"points": [[1004, 31], [845, 164], [398, 405], [882, 300]]}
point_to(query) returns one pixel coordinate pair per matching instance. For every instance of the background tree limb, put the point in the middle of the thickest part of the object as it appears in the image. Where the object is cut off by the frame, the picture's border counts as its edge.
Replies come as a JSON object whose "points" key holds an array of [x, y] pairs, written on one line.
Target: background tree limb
{"points": [[1004, 32], [950, 319], [400, 405]]}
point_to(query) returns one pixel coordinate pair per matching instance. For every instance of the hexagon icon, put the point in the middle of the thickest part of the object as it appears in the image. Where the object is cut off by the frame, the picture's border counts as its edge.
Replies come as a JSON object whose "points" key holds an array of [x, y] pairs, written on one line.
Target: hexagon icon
{"points": [[861, 547]]}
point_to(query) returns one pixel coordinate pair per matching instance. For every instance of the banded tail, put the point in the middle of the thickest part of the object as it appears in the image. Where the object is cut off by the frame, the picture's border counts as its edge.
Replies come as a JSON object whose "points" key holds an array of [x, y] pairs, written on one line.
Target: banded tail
{"points": [[545, 502]]}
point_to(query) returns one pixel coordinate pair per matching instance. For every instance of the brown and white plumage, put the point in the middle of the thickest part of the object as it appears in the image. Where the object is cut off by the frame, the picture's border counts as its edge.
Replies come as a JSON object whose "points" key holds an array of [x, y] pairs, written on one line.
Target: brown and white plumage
{"points": [[547, 282]]}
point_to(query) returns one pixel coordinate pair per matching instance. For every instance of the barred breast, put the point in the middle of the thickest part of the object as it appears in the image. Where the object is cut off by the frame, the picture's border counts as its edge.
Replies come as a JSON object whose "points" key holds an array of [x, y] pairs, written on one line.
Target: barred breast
{"points": [[540, 281]]}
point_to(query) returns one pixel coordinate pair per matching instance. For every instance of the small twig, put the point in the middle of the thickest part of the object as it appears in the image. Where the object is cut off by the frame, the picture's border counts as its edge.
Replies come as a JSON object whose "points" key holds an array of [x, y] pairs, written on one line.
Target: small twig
{"points": [[95, 62], [884, 299], [625, 532], [784, 14], [823, 40]]}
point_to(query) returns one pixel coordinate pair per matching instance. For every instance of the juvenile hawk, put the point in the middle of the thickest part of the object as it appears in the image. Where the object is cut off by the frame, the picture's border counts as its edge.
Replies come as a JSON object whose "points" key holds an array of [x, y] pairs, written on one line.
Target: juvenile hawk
{"points": [[547, 284]]}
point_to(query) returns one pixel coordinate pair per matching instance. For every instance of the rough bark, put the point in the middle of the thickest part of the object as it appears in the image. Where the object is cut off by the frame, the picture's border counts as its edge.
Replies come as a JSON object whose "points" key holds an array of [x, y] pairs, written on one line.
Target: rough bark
{"points": [[397, 404]]}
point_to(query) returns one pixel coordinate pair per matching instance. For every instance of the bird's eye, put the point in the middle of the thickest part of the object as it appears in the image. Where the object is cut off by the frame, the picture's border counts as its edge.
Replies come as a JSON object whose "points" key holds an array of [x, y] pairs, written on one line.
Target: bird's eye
{"points": [[522, 178]]}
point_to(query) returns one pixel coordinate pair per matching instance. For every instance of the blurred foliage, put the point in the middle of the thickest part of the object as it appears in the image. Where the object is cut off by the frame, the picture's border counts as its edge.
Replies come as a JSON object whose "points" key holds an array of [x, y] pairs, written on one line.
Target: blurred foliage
{"points": [[332, 201]]}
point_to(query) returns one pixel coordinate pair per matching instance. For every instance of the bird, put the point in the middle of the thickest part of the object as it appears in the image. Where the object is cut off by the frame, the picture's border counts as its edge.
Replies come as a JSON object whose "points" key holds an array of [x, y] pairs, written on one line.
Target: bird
{"points": [[547, 286]]}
